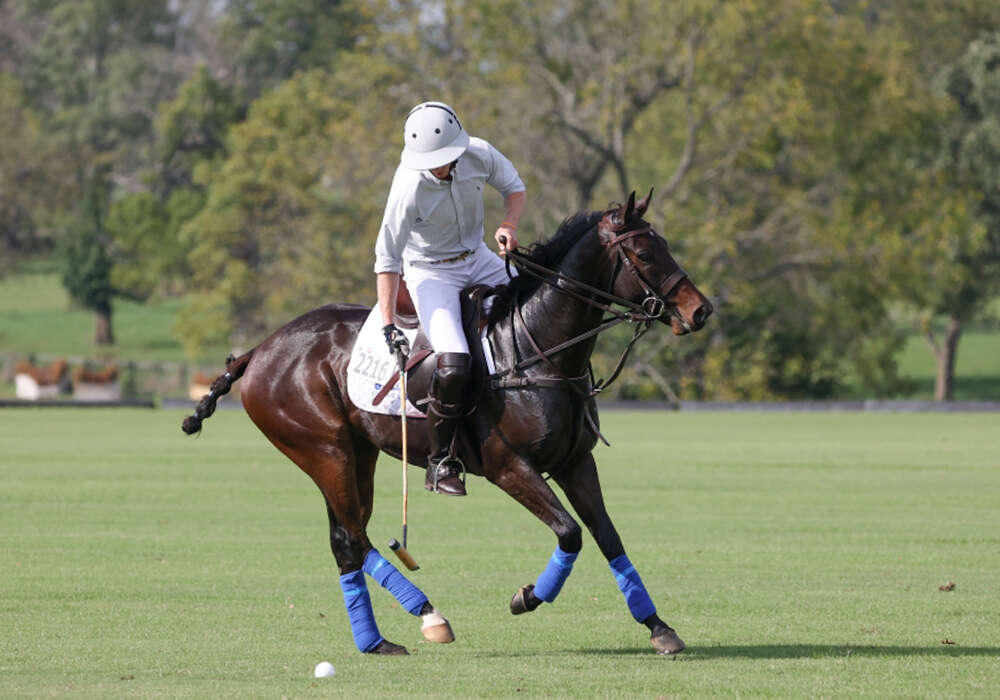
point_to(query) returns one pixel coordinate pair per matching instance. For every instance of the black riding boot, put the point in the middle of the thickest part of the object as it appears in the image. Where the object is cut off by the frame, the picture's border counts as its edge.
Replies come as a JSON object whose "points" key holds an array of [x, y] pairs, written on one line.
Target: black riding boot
{"points": [[445, 471]]}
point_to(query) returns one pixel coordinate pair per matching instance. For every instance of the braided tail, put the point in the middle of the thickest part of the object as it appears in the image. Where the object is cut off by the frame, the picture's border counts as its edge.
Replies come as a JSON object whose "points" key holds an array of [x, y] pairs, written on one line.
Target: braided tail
{"points": [[235, 367]]}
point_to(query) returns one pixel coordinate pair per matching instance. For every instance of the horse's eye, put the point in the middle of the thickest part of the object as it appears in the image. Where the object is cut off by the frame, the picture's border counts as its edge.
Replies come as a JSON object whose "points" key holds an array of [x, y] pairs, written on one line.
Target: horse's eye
{"points": [[645, 256]]}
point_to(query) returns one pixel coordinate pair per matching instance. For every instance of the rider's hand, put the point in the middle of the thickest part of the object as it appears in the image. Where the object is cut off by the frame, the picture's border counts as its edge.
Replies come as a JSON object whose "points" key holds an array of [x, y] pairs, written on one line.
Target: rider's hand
{"points": [[395, 339], [508, 232]]}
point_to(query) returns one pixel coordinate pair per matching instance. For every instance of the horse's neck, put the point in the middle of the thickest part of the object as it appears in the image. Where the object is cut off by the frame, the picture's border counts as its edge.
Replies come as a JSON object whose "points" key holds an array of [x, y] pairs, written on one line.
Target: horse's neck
{"points": [[553, 317]]}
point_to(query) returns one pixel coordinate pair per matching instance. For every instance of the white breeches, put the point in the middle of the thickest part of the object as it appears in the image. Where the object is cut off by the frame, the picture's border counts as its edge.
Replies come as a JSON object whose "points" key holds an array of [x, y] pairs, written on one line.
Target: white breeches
{"points": [[436, 288]]}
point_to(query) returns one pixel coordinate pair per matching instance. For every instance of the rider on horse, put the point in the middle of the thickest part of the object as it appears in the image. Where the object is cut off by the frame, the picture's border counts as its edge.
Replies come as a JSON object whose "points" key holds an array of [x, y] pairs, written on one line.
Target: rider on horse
{"points": [[432, 233]]}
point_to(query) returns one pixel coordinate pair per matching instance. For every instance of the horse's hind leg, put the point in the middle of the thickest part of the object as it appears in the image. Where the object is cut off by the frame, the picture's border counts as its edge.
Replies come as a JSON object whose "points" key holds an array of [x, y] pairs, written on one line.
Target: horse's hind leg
{"points": [[583, 489], [344, 475], [434, 626]]}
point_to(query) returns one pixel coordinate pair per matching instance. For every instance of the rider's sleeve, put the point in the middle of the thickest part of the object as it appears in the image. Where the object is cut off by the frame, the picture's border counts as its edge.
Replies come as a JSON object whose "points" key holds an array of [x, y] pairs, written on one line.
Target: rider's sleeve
{"points": [[503, 176], [397, 221]]}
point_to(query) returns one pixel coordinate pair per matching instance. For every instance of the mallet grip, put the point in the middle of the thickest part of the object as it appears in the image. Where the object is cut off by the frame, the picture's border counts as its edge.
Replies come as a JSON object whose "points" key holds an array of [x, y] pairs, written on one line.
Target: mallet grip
{"points": [[408, 561]]}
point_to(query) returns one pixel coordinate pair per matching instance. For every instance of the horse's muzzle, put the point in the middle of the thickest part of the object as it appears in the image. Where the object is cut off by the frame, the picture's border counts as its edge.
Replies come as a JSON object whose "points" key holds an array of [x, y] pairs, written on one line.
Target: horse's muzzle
{"points": [[683, 321], [700, 315]]}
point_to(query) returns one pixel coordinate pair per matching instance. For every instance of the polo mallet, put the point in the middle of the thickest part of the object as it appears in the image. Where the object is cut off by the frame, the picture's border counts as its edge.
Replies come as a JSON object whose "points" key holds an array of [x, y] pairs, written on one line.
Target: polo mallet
{"points": [[394, 545]]}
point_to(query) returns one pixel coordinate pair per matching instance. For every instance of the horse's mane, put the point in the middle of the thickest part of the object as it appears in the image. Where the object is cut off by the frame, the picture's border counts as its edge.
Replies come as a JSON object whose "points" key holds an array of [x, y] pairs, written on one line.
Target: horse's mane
{"points": [[547, 252]]}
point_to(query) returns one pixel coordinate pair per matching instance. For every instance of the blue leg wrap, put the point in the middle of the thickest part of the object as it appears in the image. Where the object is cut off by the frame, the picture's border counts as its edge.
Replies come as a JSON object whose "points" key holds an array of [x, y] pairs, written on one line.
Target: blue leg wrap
{"points": [[551, 581], [639, 603], [409, 596], [359, 611]]}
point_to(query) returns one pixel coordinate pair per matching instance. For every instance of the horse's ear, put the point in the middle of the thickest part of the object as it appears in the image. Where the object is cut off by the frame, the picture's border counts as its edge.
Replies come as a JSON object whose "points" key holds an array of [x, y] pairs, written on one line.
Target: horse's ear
{"points": [[630, 207], [643, 204]]}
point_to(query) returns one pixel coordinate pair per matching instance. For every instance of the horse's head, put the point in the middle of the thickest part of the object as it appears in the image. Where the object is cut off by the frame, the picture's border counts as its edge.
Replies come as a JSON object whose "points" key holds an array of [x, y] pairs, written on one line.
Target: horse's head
{"points": [[646, 273]]}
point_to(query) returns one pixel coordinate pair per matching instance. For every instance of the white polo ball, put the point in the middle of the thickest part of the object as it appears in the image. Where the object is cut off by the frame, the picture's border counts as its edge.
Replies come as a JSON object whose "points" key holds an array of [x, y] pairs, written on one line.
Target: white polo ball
{"points": [[324, 669]]}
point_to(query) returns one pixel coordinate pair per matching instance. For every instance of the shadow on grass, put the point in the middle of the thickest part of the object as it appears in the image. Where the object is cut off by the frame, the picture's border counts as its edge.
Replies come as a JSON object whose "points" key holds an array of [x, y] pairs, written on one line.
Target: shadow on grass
{"points": [[805, 651]]}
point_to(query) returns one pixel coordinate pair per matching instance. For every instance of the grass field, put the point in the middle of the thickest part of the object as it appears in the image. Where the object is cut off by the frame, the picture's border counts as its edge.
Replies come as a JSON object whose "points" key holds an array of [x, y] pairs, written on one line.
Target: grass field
{"points": [[796, 554]]}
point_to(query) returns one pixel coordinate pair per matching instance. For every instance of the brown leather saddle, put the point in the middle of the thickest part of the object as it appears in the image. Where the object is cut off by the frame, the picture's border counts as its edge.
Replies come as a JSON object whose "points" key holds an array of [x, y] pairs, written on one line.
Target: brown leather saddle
{"points": [[422, 360]]}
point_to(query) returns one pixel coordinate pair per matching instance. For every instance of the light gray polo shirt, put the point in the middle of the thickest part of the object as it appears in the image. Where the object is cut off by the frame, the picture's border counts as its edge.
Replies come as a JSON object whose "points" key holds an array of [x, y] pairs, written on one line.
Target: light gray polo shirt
{"points": [[430, 219]]}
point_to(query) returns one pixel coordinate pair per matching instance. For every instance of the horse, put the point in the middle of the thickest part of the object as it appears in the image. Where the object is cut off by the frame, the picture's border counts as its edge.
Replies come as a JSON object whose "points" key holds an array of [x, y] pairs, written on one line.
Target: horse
{"points": [[521, 427]]}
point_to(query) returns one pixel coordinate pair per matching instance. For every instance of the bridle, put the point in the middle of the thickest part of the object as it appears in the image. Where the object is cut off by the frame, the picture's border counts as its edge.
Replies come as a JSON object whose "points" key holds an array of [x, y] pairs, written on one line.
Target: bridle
{"points": [[654, 304], [641, 315]]}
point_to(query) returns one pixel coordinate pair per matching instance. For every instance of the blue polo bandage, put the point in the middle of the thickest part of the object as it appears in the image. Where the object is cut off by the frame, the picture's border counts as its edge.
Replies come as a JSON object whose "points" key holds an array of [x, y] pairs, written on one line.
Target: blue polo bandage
{"points": [[359, 611], [639, 603], [409, 596], [551, 581]]}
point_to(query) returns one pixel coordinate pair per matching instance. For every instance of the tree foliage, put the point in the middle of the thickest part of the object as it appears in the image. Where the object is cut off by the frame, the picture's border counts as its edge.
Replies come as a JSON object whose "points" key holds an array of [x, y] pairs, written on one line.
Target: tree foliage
{"points": [[269, 40], [292, 213], [29, 177], [86, 271]]}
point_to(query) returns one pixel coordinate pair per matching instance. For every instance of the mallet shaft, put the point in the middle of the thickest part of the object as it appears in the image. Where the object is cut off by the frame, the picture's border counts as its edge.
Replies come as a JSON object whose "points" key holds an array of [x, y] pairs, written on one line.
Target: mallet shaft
{"points": [[402, 413]]}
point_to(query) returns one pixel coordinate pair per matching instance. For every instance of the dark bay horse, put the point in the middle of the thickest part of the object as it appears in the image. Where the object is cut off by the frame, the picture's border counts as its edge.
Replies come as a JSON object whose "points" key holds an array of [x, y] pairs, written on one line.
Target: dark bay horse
{"points": [[536, 418]]}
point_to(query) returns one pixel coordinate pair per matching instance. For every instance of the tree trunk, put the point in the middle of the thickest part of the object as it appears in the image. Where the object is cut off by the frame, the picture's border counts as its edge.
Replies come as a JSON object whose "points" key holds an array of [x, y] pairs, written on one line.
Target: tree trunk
{"points": [[944, 386], [103, 335]]}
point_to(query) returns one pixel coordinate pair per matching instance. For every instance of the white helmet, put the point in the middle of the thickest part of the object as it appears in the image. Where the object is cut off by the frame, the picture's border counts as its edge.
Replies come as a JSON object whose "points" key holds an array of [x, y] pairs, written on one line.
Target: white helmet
{"points": [[433, 137]]}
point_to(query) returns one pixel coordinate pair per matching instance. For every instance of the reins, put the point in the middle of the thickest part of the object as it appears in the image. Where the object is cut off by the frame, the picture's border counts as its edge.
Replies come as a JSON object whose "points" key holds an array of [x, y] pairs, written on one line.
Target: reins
{"points": [[641, 315]]}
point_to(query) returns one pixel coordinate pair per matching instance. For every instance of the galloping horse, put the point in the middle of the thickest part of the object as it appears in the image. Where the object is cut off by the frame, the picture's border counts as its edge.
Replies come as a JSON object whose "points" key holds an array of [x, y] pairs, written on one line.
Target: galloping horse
{"points": [[537, 414]]}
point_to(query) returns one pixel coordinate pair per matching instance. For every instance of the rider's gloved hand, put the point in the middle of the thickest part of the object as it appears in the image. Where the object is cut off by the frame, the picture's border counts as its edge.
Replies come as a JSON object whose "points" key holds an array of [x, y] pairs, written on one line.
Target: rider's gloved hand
{"points": [[395, 339]]}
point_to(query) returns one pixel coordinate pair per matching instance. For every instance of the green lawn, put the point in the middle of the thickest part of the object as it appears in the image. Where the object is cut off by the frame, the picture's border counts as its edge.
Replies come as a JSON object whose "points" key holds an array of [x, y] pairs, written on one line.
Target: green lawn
{"points": [[797, 554]]}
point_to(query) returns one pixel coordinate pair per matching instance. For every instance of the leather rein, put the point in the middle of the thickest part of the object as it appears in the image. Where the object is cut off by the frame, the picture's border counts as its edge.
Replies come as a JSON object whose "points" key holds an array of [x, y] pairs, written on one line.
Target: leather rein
{"points": [[641, 315]]}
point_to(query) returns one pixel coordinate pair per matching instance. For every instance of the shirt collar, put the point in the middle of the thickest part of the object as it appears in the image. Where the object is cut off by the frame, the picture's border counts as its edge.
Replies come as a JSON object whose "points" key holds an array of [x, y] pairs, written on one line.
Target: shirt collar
{"points": [[427, 176]]}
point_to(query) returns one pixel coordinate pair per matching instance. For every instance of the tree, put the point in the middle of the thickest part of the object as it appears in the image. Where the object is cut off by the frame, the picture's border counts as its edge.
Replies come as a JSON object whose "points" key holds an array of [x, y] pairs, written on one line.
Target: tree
{"points": [[971, 160], [147, 249], [940, 231], [293, 211], [147, 252], [93, 74], [29, 177], [269, 40], [761, 218], [87, 266], [192, 128]]}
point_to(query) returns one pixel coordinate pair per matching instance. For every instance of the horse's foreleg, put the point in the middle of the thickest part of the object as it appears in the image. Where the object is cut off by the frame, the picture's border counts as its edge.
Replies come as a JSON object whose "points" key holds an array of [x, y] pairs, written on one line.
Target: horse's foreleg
{"points": [[525, 486], [583, 489]]}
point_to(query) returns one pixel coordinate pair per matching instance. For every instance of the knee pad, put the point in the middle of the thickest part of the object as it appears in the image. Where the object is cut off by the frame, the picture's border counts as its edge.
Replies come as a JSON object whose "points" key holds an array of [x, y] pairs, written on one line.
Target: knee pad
{"points": [[450, 378]]}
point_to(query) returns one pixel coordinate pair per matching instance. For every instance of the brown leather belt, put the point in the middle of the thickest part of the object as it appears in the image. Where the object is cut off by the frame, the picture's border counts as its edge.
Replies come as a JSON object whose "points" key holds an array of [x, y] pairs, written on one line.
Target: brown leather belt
{"points": [[460, 256]]}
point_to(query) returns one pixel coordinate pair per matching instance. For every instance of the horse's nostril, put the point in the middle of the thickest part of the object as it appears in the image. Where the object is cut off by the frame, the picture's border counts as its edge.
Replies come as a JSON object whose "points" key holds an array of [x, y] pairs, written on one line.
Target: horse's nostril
{"points": [[701, 314]]}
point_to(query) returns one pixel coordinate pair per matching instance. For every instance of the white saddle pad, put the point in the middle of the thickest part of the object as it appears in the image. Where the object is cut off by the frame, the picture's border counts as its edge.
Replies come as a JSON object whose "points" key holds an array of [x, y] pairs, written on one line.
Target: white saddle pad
{"points": [[371, 366]]}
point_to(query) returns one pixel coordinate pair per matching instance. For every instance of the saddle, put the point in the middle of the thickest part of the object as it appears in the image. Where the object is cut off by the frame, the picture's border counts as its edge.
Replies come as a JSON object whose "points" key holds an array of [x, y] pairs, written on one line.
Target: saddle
{"points": [[419, 370]]}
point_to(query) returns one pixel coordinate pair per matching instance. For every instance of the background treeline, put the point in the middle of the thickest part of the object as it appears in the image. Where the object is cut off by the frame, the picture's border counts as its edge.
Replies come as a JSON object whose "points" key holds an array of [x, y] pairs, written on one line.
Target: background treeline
{"points": [[828, 171]]}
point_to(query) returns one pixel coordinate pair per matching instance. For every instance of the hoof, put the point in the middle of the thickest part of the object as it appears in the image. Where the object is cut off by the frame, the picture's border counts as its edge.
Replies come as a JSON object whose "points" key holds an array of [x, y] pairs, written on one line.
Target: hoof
{"points": [[387, 648], [436, 628], [667, 642], [524, 601]]}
